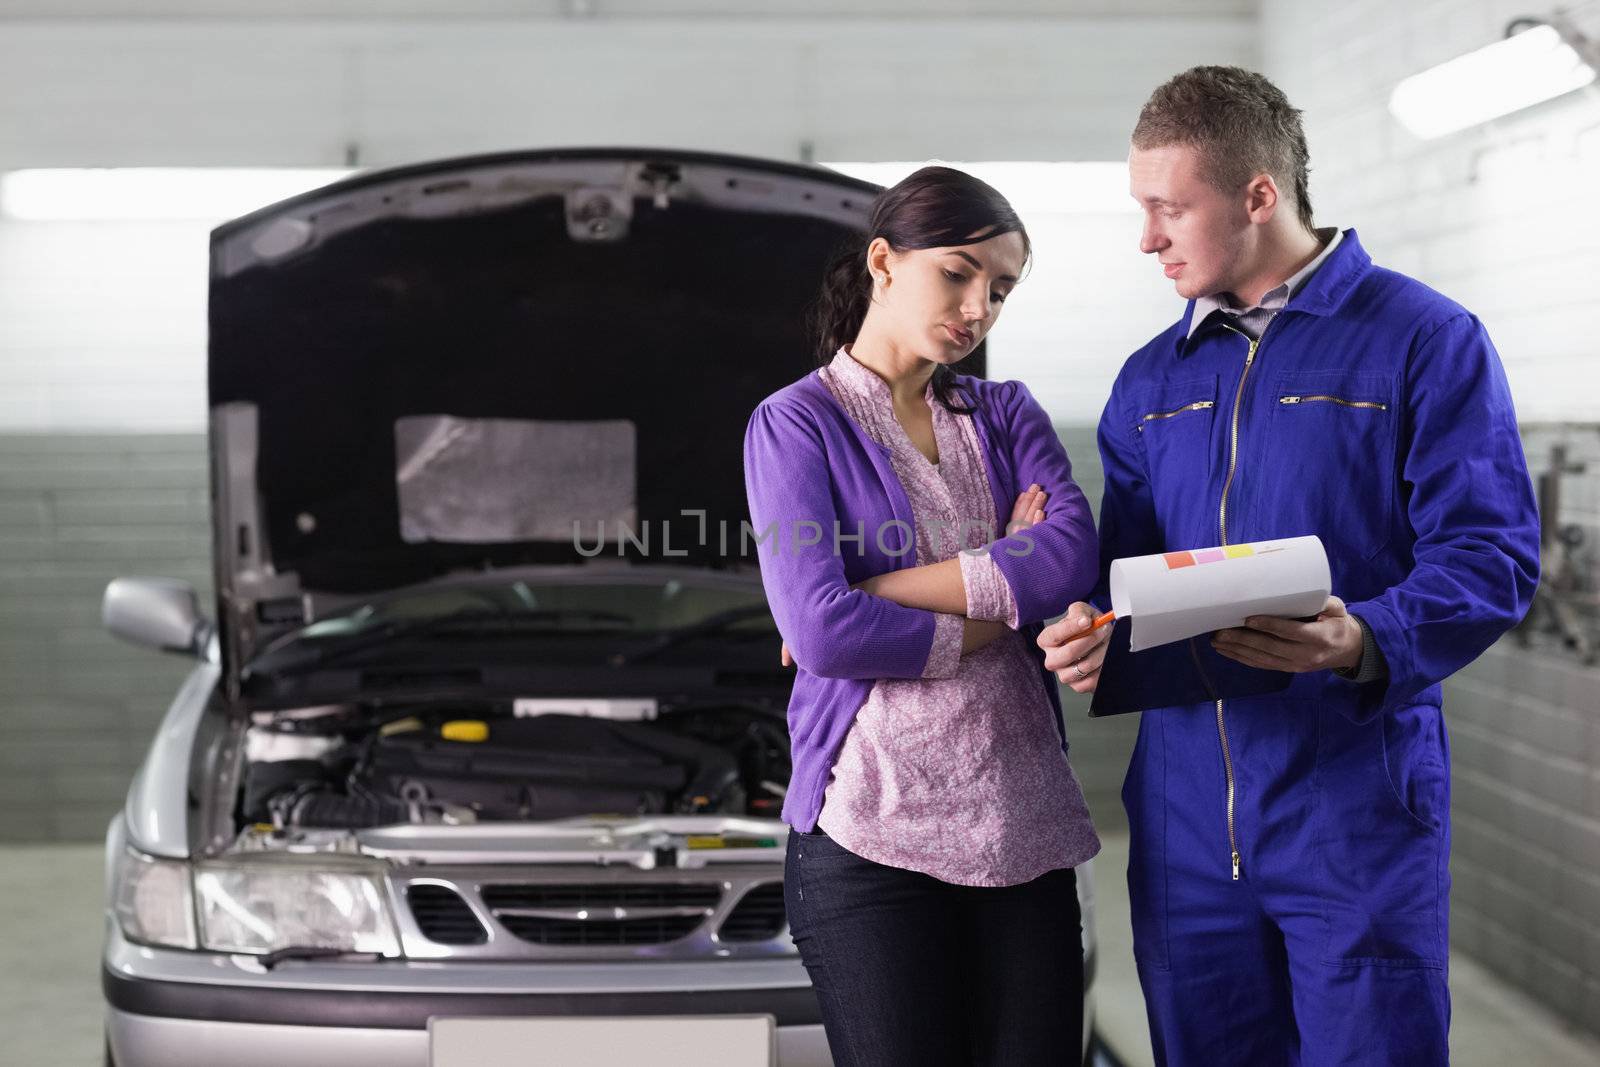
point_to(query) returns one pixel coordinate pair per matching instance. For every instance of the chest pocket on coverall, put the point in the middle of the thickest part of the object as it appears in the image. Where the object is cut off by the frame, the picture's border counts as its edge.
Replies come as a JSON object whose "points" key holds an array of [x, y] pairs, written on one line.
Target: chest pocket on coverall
{"points": [[1332, 436], [1172, 424]]}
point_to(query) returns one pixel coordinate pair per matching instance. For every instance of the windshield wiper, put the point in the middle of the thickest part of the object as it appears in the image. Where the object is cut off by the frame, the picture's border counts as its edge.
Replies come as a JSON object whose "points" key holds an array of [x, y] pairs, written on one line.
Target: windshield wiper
{"points": [[295, 658], [711, 624]]}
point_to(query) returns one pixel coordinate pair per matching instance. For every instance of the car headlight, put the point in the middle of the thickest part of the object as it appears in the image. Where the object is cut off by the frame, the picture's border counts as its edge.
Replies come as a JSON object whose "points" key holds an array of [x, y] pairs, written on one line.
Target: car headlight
{"points": [[151, 900], [272, 903]]}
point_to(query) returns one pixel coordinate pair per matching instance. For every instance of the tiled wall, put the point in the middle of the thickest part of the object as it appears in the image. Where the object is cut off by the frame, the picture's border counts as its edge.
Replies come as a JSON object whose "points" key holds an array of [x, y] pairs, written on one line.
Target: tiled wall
{"points": [[1525, 731], [78, 707]]}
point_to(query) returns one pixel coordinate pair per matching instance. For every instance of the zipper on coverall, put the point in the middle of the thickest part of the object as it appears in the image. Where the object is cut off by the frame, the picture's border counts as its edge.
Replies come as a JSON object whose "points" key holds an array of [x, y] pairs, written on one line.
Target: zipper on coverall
{"points": [[1222, 525]]}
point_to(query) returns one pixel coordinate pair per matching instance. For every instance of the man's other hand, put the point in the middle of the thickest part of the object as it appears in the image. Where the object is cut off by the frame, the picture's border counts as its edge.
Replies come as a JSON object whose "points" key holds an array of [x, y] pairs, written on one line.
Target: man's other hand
{"points": [[1331, 640]]}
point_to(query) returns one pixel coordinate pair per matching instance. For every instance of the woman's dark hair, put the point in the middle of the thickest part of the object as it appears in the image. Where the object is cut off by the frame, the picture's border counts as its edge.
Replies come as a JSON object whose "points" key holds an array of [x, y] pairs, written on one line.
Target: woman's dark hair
{"points": [[935, 207]]}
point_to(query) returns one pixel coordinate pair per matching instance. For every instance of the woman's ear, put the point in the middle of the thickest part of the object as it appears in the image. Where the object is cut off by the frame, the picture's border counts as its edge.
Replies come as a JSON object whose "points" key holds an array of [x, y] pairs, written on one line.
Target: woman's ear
{"points": [[879, 255]]}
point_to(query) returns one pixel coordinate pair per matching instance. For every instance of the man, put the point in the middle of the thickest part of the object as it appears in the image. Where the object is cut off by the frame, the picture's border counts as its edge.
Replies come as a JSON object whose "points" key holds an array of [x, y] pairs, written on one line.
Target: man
{"points": [[1288, 862]]}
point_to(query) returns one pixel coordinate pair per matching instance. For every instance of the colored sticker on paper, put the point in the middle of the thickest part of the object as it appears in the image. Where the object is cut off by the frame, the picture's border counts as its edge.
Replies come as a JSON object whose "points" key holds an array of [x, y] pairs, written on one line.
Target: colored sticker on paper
{"points": [[1178, 559]]}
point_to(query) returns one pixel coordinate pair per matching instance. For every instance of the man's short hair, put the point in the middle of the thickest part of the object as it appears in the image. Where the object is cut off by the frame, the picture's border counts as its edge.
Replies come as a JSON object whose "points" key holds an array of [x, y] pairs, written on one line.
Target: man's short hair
{"points": [[1242, 124]]}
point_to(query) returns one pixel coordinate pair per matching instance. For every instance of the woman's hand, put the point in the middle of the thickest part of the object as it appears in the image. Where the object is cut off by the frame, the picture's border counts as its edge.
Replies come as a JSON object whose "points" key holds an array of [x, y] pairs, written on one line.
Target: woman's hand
{"points": [[1028, 510], [1076, 658], [785, 657]]}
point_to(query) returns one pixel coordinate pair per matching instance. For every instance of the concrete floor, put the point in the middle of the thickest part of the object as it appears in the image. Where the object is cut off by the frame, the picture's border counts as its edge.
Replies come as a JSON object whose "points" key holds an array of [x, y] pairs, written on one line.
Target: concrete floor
{"points": [[50, 1008], [50, 989], [1490, 1022]]}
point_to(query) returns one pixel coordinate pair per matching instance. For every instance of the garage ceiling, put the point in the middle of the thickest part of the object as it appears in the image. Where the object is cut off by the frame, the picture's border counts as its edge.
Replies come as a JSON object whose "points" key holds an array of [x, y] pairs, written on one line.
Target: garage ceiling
{"points": [[633, 9]]}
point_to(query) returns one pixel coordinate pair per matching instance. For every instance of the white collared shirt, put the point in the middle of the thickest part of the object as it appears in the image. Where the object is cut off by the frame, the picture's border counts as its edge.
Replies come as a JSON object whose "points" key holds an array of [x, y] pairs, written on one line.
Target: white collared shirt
{"points": [[1253, 320]]}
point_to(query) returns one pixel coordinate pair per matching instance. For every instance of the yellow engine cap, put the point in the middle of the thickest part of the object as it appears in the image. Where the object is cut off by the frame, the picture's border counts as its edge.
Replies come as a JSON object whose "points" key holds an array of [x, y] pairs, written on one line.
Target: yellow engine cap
{"points": [[464, 730]]}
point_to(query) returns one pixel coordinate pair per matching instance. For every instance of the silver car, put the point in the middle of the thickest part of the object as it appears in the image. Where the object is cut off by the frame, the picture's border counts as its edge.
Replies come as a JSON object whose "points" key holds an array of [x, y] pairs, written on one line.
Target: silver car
{"points": [[486, 746]]}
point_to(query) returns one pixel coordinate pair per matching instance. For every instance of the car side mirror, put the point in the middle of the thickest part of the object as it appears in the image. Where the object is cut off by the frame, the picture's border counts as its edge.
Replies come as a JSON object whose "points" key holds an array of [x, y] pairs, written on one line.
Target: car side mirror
{"points": [[162, 613]]}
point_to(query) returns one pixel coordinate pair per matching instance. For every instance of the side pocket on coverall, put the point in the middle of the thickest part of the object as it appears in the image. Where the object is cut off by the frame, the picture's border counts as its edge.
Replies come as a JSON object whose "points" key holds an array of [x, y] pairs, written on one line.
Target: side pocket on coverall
{"points": [[1382, 797]]}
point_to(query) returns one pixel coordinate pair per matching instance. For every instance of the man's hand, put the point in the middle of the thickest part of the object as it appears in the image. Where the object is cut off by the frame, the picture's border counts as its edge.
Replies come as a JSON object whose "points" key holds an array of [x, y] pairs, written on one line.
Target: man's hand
{"points": [[1332, 639], [1075, 659]]}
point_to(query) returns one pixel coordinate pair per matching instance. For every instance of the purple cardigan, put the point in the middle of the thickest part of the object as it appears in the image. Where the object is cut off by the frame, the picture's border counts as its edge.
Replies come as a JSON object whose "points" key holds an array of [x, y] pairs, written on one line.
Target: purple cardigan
{"points": [[809, 471]]}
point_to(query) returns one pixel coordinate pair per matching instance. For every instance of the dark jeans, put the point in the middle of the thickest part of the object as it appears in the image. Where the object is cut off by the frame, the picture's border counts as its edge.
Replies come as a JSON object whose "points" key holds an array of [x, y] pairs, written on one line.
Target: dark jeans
{"points": [[911, 970]]}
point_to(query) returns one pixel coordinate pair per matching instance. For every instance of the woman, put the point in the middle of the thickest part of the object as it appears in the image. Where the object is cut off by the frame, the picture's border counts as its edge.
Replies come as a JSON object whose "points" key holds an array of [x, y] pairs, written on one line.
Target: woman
{"points": [[935, 819]]}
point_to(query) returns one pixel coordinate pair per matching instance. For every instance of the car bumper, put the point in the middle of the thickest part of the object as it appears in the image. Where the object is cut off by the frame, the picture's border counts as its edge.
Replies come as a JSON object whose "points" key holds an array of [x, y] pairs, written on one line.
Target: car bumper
{"points": [[146, 1041], [178, 1008]]}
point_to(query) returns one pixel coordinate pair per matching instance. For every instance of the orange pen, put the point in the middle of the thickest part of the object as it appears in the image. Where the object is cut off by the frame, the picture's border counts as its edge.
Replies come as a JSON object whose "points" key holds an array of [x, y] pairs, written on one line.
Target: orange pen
{"points": [[1101, 621]]}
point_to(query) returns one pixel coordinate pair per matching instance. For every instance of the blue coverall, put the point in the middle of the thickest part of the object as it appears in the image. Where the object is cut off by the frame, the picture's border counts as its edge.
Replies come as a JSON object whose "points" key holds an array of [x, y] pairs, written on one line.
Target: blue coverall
{"points": [[1289, 854]]}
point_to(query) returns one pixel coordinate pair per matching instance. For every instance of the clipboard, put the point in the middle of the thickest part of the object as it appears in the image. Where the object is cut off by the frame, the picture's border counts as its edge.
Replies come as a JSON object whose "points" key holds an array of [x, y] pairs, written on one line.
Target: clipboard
{"points": [[1172, 675]]}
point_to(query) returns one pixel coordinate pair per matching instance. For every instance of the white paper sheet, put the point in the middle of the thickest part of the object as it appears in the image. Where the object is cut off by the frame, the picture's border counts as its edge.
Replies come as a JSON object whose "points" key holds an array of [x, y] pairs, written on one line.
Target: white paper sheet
{"points": [[1171, 596]]}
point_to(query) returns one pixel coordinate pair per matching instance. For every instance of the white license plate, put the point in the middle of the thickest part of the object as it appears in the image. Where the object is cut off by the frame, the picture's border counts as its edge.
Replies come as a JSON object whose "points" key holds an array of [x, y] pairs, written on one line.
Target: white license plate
{"points": [[659, 1041]]}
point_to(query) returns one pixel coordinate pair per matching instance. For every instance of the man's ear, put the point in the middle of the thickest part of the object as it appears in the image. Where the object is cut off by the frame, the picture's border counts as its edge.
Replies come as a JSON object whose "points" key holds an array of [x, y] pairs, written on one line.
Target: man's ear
{"points": [[1261, 198]]}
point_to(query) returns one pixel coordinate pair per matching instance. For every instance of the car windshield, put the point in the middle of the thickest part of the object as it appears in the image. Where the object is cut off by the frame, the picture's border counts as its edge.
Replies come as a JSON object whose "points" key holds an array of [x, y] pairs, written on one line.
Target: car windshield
{"points": [[632, 606], [665, 612]]}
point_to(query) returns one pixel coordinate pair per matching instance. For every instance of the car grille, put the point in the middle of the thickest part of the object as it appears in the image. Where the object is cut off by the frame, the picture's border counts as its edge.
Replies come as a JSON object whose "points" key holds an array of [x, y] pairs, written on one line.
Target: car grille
{"points": [[759, 915], [569, 913], [602, 914], [443, 916]]}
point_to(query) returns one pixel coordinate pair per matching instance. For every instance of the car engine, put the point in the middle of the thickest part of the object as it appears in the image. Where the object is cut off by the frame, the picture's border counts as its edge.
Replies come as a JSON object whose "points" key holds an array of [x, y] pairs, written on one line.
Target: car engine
{"points": [[352, 767]]}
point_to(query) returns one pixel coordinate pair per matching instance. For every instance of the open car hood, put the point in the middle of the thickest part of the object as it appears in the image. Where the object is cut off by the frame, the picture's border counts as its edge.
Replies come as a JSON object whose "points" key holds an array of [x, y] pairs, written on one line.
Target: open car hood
{"points": [[501, 360], [498, 361]]}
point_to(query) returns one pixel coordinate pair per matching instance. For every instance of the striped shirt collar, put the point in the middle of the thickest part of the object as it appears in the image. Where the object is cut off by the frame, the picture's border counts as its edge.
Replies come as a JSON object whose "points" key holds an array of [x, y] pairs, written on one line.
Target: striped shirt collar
{"points": [[1274, 299]]}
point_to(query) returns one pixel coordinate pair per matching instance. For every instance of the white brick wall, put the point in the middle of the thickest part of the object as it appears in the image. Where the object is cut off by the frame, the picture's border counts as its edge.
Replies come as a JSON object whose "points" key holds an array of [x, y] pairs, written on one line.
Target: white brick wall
{"points": [[296, 92], [102, 326], [1500, 217], [1090, 300]]}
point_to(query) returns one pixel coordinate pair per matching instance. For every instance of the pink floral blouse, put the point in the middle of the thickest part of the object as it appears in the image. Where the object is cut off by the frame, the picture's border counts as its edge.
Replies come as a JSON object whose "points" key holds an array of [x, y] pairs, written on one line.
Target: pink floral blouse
{"points": [[959, 774]]}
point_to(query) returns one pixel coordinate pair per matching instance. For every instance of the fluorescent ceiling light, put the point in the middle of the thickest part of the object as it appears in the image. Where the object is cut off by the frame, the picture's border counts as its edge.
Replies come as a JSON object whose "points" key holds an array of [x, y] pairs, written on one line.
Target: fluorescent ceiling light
{"points": [[135, 193], [1056, 188], [1526, 68]]}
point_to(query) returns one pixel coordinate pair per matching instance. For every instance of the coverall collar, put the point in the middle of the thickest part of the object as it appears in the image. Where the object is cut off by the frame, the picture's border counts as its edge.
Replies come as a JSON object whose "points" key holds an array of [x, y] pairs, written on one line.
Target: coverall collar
{"points": [[1273, 300], [1322, 293]]}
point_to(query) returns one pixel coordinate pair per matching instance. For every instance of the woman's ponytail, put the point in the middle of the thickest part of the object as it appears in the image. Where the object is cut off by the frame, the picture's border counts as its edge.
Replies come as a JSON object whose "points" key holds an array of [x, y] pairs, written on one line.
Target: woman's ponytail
{"points": [[842, 307]]}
